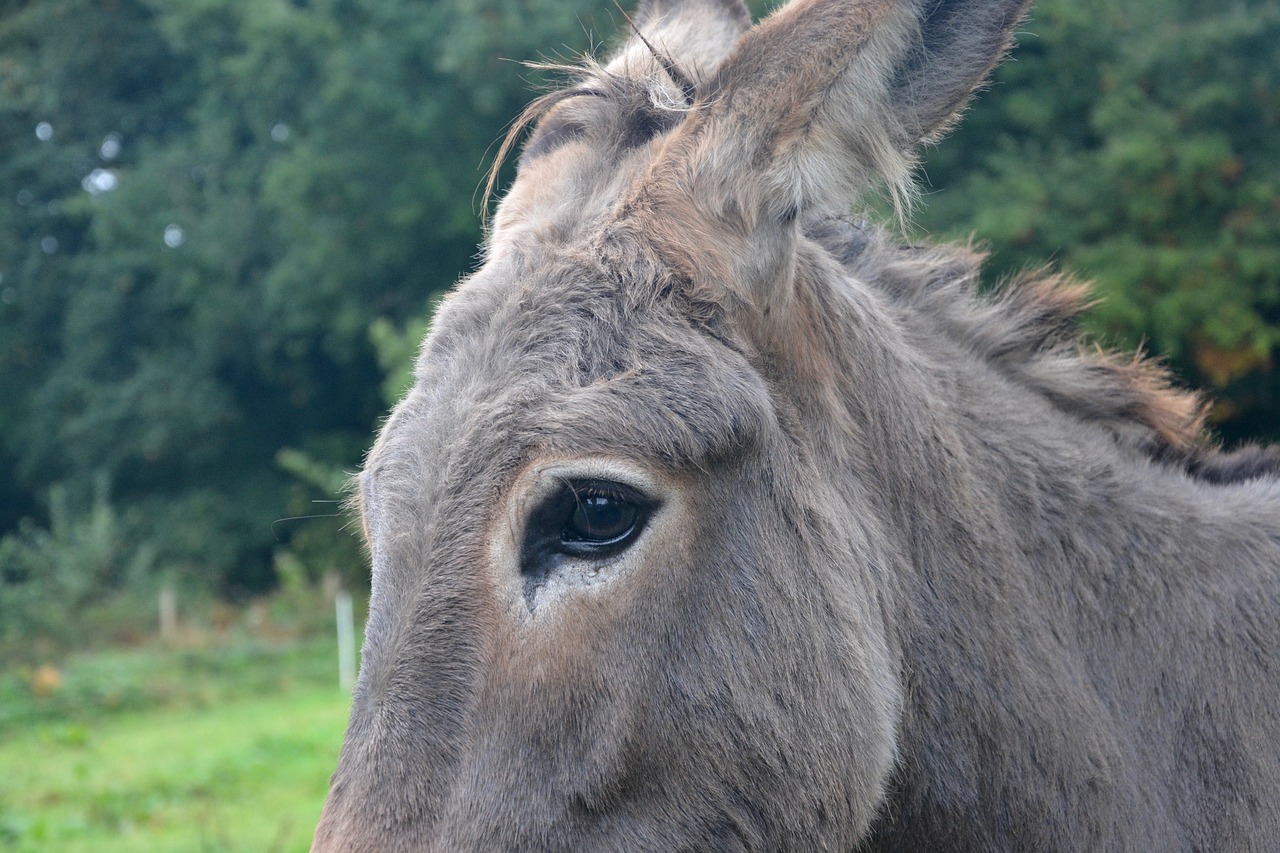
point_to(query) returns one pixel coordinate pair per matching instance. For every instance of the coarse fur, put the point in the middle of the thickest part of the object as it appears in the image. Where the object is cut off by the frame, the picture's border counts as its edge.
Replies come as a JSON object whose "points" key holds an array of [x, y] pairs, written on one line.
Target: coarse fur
{"points": [[923, 572]]}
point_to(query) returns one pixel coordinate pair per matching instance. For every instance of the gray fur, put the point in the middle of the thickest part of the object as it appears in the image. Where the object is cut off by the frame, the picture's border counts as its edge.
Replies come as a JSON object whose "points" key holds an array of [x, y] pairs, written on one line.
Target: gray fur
{"points": [[926, 574]]}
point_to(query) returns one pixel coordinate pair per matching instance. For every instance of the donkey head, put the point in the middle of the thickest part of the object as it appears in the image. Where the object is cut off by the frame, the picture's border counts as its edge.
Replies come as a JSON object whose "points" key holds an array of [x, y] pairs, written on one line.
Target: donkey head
{"points": [[630, 561]]}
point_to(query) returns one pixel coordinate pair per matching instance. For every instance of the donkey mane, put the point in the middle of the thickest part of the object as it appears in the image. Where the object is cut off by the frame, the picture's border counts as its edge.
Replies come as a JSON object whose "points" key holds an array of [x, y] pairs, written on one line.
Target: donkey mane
{"points": [[645, 106], [1028, 329]]}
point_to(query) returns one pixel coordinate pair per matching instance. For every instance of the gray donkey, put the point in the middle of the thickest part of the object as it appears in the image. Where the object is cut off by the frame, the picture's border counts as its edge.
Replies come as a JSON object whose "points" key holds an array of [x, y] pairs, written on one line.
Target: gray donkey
{"points": [[716, 520]]}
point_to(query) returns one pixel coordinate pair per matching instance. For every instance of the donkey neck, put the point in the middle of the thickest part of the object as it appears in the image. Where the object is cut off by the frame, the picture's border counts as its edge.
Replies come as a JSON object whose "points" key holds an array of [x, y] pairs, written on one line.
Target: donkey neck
{"points": [[1063, 602]]}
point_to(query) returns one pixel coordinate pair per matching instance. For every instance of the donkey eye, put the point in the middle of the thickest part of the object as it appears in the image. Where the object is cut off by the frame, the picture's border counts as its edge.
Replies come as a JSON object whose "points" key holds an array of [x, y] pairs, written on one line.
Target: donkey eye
{"points": [[575, 529], [594, 518]]}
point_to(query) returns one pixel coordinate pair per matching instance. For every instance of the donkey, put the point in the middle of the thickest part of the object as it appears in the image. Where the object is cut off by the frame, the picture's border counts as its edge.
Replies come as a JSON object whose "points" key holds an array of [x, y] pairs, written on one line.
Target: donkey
{"points": [[718, 520]]}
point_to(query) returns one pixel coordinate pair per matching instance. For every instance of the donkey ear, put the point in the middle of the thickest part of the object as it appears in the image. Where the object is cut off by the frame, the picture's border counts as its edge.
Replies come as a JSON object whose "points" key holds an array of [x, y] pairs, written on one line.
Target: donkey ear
{"points": [[693, 35], [864, 81], [960, 42], [812, 106]]}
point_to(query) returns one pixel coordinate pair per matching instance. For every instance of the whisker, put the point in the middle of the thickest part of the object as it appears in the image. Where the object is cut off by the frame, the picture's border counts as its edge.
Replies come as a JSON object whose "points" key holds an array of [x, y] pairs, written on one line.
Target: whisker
{"points": [[300, 518]]}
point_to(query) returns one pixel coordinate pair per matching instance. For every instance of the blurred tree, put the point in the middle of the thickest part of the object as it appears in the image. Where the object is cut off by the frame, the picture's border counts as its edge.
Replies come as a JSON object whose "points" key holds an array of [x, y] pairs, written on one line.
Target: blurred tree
{"points": [[50, 577], [76, 79], [208, 203], [1138, 143]]}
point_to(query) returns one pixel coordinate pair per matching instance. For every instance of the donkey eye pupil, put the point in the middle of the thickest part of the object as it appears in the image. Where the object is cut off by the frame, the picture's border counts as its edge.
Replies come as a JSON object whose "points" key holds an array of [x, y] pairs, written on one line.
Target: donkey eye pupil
{"points": [[601, 519]]}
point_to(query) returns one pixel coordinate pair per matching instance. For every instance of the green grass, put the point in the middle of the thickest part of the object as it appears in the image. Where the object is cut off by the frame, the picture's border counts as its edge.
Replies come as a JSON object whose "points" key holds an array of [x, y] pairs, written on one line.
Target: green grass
{"points": [[217, 749]]}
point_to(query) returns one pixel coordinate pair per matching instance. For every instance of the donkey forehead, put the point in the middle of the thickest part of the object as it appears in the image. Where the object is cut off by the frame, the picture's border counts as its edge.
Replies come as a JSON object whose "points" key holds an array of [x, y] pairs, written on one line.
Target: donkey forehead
{"points": [[566, 360]]}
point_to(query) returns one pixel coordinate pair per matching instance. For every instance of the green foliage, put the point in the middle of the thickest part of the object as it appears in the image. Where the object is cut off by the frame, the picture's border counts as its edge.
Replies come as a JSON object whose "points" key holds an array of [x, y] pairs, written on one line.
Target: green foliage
{"points": [[215, 201], [320, 539], [51, 579], [1139, 143], [397, 351]]}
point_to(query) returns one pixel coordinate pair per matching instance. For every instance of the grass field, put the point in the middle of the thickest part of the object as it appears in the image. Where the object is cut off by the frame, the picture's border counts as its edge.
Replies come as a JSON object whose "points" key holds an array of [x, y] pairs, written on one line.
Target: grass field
{"points": [[223, 748]]}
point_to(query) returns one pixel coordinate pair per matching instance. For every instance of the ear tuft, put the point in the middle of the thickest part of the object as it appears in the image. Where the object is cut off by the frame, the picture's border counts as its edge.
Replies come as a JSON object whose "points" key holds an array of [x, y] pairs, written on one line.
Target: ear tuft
{"points": [[693, 36]]}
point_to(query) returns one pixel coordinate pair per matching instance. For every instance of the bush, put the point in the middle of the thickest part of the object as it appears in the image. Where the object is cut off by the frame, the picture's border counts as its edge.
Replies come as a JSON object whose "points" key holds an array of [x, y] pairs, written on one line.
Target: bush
{"points": [[52, 578]]}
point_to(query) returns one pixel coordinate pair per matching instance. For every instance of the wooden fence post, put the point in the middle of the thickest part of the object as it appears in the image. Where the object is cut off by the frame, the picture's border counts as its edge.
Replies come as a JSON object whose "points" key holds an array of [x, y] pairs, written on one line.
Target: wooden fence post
{"points": [[346, 641]]}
